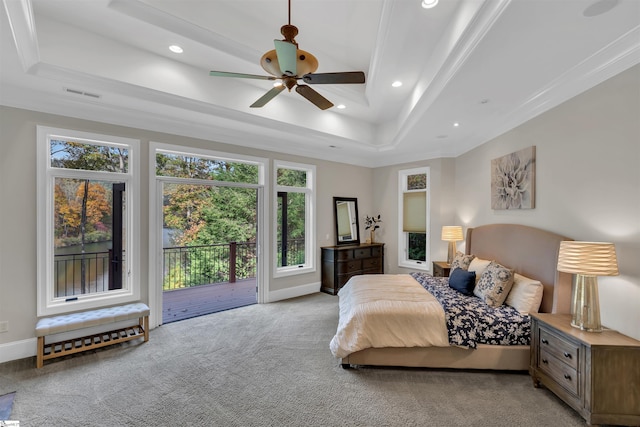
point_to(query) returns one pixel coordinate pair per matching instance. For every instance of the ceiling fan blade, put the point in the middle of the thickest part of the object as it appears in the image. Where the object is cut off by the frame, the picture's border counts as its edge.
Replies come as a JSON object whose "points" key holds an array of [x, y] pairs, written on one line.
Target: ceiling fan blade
{"points": [[334, 78], [287, 57], [318, 100], [240, 75], [267, 97]]}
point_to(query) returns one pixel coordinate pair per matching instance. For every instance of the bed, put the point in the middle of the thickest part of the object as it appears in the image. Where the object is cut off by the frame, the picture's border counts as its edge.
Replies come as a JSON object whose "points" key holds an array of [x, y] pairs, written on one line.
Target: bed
{"points": [[528, 251]]}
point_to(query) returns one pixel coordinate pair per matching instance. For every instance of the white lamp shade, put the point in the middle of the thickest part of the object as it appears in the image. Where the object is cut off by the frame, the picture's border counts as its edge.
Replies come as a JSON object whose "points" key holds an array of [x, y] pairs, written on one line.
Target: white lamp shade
{"points": [[452, 233], [588, 258]]}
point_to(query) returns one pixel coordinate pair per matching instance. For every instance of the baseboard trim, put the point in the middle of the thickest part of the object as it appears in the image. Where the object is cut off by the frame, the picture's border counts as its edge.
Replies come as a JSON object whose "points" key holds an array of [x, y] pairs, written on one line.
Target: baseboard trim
{"points": [[27, 348], [297, 291], [18, 350]]}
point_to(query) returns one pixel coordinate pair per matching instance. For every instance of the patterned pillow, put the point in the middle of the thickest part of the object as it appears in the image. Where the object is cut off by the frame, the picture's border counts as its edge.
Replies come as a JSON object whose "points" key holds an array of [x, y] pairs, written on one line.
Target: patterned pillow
{"points": [[461, 261], [494, 284]]}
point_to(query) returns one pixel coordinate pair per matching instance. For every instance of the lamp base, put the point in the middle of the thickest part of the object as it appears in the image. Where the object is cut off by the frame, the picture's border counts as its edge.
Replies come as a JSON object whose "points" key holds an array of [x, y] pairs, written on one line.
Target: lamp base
{"points": [[452, 252], [585, 305]]}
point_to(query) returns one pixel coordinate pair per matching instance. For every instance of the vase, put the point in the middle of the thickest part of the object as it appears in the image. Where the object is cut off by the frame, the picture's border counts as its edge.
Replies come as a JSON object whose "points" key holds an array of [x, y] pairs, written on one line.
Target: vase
{"points": [[373, 236]]}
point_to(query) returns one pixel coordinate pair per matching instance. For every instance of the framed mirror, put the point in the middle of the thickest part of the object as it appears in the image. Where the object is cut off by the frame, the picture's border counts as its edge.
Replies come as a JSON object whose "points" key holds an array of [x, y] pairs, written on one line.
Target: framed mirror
{"points": [[346, 218]]}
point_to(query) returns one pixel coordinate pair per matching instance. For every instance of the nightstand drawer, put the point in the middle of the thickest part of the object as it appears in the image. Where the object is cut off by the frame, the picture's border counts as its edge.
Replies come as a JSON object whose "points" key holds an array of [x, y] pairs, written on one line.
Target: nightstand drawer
{"points": [[559, 371], [565, 351]]}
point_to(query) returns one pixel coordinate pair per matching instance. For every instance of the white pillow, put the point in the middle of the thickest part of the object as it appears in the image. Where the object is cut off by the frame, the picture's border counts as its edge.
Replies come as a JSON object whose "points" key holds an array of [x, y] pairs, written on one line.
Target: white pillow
{"points": [[525, 295], [478, 265]]}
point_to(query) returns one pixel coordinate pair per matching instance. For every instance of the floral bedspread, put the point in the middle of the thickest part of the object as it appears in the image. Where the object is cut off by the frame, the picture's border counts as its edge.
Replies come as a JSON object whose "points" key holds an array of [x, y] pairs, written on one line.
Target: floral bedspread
{"points": [[471, 322]]}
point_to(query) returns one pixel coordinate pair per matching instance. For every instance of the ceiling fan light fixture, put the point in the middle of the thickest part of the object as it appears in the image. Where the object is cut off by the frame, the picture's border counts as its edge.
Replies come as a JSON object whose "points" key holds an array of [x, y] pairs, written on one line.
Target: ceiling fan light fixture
{"points": [[289, 64], [428, 4]]}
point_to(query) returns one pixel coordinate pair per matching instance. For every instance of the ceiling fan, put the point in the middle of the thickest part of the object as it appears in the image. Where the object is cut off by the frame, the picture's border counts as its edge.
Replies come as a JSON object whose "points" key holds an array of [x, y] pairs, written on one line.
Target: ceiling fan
{"points": [[290, 64]]}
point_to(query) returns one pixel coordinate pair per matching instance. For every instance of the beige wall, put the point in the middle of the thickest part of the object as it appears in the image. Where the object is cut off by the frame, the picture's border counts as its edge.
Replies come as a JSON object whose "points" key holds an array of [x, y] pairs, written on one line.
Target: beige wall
{"points": [[18, 238], [587, 183], [587, 186]]}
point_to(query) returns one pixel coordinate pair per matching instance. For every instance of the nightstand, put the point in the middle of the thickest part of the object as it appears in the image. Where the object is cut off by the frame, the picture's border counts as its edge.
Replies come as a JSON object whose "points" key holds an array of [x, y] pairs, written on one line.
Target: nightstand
{"points": [[441, 269], [596, 373]]}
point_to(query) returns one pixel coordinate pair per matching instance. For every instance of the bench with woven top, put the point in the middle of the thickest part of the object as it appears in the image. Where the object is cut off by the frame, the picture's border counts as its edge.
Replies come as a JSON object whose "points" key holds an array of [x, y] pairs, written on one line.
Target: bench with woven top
{"points": [[86, 319]]}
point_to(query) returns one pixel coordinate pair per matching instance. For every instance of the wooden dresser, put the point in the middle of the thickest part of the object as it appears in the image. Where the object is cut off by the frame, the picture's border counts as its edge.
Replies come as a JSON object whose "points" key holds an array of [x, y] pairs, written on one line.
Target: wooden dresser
{"points": [[596, 373], [340, 263]]}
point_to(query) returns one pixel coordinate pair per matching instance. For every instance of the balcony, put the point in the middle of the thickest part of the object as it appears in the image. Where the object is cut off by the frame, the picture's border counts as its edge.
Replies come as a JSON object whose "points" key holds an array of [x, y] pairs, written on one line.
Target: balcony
{"points": [[197, 280]]}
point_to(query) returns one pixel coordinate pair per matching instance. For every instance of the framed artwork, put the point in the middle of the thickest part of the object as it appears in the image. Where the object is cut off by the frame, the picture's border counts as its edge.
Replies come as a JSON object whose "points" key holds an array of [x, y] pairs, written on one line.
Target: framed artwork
{"points": [[513, 179]]}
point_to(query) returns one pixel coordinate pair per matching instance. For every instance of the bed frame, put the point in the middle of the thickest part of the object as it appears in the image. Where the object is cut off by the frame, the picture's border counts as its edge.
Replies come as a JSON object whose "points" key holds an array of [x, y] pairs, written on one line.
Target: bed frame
{"points": [[529, 251]]}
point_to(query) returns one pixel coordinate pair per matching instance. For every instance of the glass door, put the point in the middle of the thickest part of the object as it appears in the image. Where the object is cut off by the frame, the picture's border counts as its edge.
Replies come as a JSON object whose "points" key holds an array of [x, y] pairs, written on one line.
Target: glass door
{"points": [[209, 248]]}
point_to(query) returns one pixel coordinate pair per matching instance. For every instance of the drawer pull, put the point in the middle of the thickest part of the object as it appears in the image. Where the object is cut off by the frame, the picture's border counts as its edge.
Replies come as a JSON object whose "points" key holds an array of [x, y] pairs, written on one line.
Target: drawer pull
{"points": [[567, 376], [567, 355], [545, 361], [544, 341]]}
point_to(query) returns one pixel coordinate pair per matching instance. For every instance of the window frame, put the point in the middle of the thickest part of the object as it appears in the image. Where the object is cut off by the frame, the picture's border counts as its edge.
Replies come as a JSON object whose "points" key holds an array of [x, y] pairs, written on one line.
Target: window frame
{"points": [[403, 236], [46, 176], [309, 266]]}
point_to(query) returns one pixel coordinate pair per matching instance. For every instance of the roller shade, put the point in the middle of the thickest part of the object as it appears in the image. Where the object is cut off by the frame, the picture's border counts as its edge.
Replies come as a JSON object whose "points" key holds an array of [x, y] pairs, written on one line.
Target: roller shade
{"points": [[415, 212]]}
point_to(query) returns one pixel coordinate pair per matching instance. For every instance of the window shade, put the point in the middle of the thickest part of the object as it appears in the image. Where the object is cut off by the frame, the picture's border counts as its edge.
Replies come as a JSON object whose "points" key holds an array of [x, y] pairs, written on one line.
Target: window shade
{"points": [[415, 212]]}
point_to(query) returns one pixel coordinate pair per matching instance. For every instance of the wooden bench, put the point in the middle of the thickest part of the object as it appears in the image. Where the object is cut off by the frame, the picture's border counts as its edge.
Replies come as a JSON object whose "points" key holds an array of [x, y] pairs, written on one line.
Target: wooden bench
{"points": [[86, 319]]}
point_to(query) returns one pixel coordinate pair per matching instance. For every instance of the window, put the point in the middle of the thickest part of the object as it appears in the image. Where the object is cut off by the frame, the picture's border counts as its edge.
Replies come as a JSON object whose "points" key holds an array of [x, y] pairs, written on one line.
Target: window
{"points": [[87, 220], [413, 205], [295, 201]]}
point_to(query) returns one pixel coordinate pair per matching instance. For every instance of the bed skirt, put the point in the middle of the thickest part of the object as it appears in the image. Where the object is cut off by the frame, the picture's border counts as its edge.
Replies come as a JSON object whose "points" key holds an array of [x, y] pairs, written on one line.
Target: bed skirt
{"points": [[495, 357]]}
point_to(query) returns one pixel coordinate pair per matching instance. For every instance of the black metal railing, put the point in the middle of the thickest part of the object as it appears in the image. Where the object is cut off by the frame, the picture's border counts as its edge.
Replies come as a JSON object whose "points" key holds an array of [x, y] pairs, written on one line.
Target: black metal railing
{"points": [[81, 273], [187, 266], [293, 252], [183, 266]]}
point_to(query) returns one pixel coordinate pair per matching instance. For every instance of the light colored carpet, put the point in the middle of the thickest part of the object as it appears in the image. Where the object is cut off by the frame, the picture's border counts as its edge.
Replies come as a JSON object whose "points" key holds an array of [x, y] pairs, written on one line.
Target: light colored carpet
{"points": [[264, 365]]}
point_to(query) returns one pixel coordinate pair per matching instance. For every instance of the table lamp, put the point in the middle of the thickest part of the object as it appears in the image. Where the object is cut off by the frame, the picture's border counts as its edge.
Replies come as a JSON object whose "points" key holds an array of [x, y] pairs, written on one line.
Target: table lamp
{"points": [[451, 234], [587, 260]]}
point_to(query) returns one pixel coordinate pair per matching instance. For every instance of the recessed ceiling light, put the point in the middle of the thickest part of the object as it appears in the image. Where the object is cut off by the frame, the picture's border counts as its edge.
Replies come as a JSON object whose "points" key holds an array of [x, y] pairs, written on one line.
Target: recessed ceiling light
{"points": [[428, 4], [456, 124], [397, 83], [341, 106], [175, 48]]}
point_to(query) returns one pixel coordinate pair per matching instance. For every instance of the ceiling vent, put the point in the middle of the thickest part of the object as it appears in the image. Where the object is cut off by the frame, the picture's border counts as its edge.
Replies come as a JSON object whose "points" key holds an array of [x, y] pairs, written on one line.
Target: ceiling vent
{"points": [[81, 92]]}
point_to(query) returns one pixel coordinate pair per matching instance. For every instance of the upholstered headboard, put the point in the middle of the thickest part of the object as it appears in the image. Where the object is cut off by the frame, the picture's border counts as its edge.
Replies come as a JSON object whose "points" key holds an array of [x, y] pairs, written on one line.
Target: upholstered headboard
{"points": [[531, 252]]}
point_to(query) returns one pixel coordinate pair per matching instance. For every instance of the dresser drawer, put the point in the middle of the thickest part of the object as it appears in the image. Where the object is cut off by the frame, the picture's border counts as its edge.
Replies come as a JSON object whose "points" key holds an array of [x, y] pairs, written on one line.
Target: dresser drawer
{"points": [[343, 255], [349, 266], [565, 351], [559, 371], [371, 263], [361, 253]]}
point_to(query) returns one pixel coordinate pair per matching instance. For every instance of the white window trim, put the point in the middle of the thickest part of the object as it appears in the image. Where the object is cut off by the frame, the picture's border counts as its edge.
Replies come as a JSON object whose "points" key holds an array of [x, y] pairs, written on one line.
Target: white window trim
{"points": [[155, 216], [46, 304], [310, 200], [403, 260]]}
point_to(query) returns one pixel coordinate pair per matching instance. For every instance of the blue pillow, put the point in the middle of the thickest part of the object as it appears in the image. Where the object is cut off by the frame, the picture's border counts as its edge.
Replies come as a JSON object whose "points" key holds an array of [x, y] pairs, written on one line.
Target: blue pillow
{"points": [[463, 281]]}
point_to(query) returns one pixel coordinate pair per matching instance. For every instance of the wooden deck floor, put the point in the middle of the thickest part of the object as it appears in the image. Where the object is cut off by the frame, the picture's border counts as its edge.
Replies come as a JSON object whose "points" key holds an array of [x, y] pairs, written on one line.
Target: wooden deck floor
{"points": [[185, 303]]}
